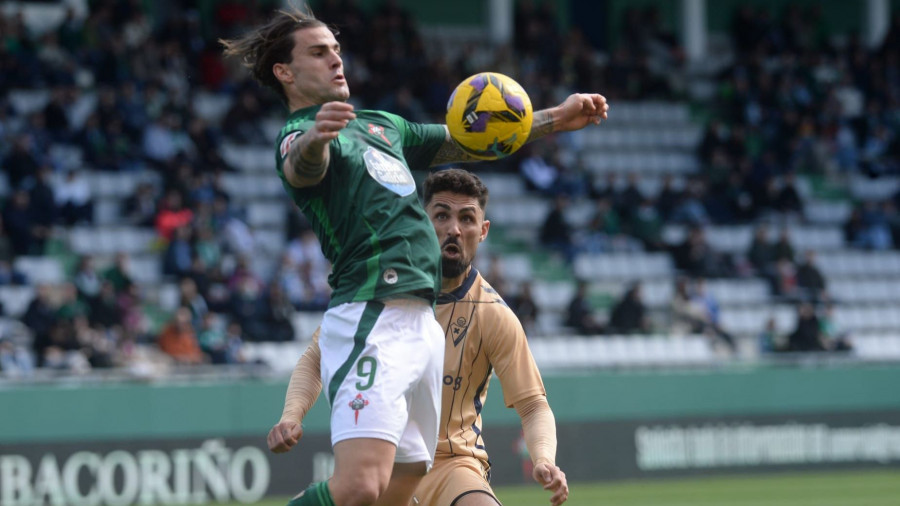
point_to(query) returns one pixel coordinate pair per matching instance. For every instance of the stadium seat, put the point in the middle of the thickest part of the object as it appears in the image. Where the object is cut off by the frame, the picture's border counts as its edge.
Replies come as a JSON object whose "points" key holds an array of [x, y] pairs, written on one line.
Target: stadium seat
{"points": [[248, 158], [15, 299], [41, 269]]}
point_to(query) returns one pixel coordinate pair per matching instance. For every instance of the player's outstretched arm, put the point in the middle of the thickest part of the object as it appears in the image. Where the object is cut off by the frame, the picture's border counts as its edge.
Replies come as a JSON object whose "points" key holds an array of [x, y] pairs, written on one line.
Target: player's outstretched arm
{"points": [[539, 430], [302, 392], [307, 161]]}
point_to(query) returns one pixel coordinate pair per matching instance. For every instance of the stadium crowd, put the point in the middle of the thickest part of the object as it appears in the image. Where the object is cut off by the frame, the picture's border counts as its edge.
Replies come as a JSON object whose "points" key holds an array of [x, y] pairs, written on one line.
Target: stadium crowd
{"points": [[121, 80]]}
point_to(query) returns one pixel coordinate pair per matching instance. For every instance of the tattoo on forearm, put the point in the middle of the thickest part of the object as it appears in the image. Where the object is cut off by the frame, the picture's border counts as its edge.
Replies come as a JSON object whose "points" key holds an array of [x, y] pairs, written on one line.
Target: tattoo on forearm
{"points": [[541, 126], [449, 153], [305, 168]]}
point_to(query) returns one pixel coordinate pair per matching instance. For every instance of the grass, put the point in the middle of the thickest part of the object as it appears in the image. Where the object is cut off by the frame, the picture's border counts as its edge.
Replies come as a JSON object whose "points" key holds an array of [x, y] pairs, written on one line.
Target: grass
{"points": [[848, 488]]}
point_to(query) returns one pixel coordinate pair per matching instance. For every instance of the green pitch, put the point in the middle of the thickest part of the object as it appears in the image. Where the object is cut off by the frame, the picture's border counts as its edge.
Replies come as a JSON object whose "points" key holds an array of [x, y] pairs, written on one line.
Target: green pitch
{"points": [[863, 488]]}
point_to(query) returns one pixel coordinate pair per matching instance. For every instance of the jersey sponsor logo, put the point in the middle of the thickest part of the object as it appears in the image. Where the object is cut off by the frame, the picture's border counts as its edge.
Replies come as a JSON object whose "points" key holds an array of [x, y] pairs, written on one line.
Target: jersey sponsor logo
{"points": [[357, 404], [390, 276], [379, 131], [389, 172], [286, 143]]}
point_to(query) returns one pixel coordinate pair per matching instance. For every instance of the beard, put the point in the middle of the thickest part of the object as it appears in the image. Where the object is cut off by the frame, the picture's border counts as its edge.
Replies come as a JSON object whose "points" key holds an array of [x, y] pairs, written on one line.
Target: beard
{"points": [[452, 267]]}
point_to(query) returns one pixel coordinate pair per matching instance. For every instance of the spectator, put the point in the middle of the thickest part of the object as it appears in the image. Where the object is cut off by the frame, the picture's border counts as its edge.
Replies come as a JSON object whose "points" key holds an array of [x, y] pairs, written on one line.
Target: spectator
{"points": [[647, 226], [807, 335], [810, 280], [25, 236], [105, 312], [556, 233], [15, 360], [212, 339], [10, 275], [761, 254], [165, 138], [525, 308], [668, 197], [783, 248], [768, 339], [246, 304], [694, 255], [119, 273], [20, 162], [179, 340], [710, 306], [43, 200], [177, 257], [629, 315], [580, 314], [73, 197], [833, 337], [537, 170], [87, 280], [788, 200], [40, 318], [785, 279], [7, 253], [172, 215], [140, 207], [277, 322], [687, 316], [190, 298], [234, 351], [243, 120]]}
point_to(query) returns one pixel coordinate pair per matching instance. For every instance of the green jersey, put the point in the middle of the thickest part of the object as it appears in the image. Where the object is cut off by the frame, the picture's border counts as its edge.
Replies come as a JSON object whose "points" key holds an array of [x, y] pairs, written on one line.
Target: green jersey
{"points": [[366, 212]]}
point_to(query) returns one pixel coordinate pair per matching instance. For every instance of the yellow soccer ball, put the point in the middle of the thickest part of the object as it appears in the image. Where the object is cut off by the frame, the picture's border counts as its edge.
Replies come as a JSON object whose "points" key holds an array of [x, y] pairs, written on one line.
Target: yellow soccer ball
{"points": [[489, 115]]}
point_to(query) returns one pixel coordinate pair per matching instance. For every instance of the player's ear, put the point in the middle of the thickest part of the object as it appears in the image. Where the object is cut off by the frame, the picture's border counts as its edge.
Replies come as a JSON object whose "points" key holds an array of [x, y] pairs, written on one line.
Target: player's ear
{"points": [[485, 226], [283, 73]]}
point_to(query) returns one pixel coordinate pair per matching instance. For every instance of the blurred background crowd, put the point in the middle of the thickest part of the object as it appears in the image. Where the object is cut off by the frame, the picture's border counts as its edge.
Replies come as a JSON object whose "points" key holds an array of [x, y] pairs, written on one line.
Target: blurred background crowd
{"points": [[143, 226]]}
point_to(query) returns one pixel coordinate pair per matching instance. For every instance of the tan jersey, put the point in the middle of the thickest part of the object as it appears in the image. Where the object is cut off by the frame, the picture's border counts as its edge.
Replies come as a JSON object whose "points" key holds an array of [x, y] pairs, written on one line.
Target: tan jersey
{"points": [[483, 336]]}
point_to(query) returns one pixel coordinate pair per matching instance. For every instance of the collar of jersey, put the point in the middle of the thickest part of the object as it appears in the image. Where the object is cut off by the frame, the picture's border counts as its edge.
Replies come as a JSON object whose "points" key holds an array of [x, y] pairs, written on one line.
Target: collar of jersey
{"points": [[306, 112], [461, 290]]}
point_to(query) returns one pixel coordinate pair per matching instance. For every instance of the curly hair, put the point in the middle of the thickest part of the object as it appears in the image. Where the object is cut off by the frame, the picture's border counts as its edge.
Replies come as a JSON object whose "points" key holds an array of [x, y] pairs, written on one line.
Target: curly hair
{"points": [[456, 181], [271, 43]]}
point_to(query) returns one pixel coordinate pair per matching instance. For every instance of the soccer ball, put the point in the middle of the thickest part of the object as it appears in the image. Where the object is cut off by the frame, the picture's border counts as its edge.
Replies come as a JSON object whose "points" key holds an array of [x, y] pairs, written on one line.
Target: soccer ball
{"points": [[489, 116]]}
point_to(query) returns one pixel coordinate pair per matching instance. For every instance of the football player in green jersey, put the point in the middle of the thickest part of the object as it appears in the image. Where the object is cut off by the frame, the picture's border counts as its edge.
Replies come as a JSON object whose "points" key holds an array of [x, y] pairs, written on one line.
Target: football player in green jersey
{"points": [[349, 173]]}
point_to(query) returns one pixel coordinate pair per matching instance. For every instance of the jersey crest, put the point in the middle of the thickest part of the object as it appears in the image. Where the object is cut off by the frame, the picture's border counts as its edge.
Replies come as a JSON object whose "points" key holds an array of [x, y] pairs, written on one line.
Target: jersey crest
{"points": [[389, 172]]}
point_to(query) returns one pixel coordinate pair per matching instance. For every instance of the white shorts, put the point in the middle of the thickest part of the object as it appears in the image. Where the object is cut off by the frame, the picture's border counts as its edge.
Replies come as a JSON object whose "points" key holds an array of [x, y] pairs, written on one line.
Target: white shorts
{"points": [[381, 373]]}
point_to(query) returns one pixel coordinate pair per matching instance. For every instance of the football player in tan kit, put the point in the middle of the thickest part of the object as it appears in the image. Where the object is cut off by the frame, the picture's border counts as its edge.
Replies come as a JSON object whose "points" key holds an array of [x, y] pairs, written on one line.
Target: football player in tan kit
{"points": [[482, 336]]}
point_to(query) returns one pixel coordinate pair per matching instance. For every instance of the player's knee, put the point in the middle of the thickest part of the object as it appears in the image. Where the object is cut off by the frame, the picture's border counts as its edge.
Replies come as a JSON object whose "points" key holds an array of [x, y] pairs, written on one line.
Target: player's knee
{"points": [[358, 491]]}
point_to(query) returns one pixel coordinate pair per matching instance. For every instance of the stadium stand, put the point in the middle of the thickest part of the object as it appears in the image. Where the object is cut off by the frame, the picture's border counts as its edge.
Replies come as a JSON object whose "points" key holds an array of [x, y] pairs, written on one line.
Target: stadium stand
{"points": [[688, 170]]}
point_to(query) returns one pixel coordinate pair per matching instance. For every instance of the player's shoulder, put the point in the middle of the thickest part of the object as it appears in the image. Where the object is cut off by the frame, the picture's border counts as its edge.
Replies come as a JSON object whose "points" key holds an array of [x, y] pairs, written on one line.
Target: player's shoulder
{"points": [[489, 299]]}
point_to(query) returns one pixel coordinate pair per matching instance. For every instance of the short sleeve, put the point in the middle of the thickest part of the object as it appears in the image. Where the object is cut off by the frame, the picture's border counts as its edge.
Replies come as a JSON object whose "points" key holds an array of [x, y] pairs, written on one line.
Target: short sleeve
{"points": [[420, 141], [508, 352]]}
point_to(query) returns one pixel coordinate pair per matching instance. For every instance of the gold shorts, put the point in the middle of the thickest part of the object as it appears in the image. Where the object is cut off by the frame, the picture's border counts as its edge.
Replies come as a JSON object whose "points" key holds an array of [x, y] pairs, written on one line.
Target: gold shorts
{"points": [[452, 478]]}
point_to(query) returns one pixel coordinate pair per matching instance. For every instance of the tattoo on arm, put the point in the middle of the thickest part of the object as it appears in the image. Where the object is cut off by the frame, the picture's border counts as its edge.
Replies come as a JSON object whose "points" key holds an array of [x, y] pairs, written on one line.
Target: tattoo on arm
{"points": [[541, 126], [450, 152], [305, 172]]}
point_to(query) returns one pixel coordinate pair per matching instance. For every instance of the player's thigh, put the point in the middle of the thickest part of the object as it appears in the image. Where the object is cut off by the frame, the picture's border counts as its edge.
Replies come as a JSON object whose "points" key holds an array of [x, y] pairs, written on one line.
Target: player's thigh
{"points": [[453, 480], [362, 462]]}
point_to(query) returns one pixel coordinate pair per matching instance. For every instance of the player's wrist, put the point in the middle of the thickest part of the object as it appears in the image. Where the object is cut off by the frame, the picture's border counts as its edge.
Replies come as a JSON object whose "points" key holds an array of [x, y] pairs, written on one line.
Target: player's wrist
{"points": [[543, 460]]}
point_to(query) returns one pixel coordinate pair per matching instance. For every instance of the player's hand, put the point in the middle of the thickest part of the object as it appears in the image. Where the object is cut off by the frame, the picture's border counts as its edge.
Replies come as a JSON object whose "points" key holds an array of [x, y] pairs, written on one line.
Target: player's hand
{"points": [[554, 480], [330, 120], [284, 436], [580, 110]]}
